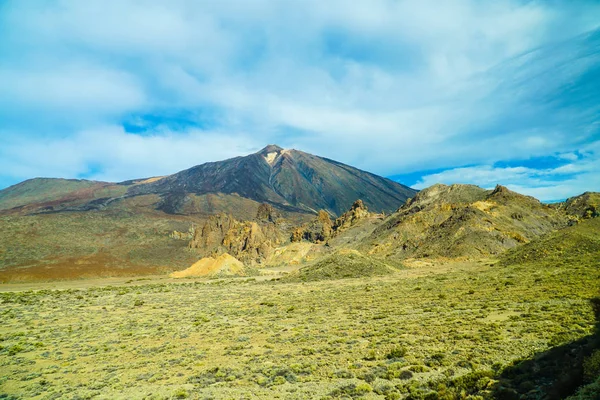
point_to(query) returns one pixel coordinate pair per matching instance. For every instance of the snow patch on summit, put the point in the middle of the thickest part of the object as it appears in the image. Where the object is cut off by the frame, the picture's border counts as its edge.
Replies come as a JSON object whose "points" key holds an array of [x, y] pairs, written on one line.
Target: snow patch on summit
{"points": [[271, 157]]}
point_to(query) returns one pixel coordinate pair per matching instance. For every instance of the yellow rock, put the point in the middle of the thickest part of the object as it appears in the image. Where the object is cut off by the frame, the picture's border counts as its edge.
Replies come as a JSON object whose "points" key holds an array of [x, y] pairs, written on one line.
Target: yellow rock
{"points": [[224, 265]]}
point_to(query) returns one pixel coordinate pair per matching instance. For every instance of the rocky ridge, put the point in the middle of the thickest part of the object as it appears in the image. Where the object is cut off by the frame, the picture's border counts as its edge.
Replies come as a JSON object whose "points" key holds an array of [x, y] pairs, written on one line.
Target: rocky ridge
{"points": [[584, 206], [462, 221]]}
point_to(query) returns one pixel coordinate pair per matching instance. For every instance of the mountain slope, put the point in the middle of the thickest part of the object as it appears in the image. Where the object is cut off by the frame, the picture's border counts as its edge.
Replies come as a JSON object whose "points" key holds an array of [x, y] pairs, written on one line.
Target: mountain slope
{"points": [[578, 245], [47, 190], [291, 179], [586, 205], [342, 264]]}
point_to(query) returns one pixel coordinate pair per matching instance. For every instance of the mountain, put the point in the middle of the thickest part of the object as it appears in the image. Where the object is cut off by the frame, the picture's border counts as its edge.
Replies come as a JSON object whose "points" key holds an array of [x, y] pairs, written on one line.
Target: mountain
{"points": [[291, 180]]}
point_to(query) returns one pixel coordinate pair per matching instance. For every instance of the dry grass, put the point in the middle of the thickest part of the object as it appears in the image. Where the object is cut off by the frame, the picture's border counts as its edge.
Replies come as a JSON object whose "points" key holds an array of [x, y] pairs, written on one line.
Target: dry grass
{"points": [[381, 337]]}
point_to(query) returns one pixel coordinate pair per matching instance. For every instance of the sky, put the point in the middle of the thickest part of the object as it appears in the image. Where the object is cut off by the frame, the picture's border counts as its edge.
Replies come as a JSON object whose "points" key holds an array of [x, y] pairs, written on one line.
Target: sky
{"points": [[424, 92]]}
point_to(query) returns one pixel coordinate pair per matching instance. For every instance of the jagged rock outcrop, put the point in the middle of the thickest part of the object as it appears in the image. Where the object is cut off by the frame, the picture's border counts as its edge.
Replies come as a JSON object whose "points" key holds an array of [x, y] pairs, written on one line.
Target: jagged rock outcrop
{"points": [[357, 212], [267, 213], [317, 231], [184, 235], [322, 228], [297, 235], [249, 241]]}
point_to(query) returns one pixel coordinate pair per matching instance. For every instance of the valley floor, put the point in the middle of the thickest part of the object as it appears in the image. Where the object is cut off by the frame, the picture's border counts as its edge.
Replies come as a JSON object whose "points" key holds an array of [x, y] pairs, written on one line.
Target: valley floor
{"points": [[445, 330]]}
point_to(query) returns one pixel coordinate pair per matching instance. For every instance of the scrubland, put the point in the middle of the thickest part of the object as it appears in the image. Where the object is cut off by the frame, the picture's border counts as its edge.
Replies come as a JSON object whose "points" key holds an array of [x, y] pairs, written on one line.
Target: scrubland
{"points": [[444, 332], [521, 326]]}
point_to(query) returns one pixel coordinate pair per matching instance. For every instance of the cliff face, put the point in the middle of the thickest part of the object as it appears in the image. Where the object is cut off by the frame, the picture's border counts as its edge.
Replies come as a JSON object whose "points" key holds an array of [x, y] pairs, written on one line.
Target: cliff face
{"points": [[317, 231], [357, 213]]}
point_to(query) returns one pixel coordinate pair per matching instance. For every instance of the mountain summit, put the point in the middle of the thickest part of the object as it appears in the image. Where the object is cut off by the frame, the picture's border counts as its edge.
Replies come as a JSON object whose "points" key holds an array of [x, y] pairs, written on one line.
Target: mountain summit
{"points": [[291, 179]]}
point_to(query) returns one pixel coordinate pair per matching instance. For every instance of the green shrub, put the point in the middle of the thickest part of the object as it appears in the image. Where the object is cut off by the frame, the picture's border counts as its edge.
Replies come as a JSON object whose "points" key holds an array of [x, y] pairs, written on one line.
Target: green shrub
{"points": [[371, 355], [343, 373], [396, 352], [214, 375], [363, 388], [14, 349], [472, 382], [591, 366], [418, 368], [405, 375], [436, 360], [181, 394], [352, 390]]}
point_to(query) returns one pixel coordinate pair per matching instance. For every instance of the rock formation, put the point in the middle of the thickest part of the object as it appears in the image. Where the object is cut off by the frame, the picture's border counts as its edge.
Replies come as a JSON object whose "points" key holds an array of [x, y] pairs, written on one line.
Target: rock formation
{"points": [[267, 213], [318, 230], [224, 265], [248, 241], [183, 235], [322, 228], [357, 212]]}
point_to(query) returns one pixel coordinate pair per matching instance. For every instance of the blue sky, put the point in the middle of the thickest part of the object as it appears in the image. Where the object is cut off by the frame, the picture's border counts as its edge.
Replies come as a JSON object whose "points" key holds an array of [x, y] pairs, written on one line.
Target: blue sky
{"points": [[464, 91]]}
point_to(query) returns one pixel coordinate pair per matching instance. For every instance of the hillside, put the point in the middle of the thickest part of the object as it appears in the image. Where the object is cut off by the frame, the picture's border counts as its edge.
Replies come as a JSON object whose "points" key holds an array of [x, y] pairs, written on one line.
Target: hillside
{"points": [[46, 194], [343, 264], [586, 205], [461, 221], [570, 256], [578, 244]]}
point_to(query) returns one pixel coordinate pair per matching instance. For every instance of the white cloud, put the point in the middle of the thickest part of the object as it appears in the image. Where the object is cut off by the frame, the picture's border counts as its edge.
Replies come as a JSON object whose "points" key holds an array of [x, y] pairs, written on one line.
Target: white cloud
{"points": [[76, 88], [389, 86], [546, 184], [118, 155]]}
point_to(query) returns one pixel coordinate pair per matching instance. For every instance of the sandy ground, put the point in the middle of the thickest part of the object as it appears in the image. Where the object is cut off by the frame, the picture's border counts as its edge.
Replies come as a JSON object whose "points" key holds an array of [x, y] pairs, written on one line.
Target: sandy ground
{"points": [[413, 269]]}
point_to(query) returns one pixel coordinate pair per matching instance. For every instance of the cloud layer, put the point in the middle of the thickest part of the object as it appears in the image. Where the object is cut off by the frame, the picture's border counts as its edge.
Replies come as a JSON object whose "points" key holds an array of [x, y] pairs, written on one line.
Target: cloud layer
{"points": [[117, 90]]}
